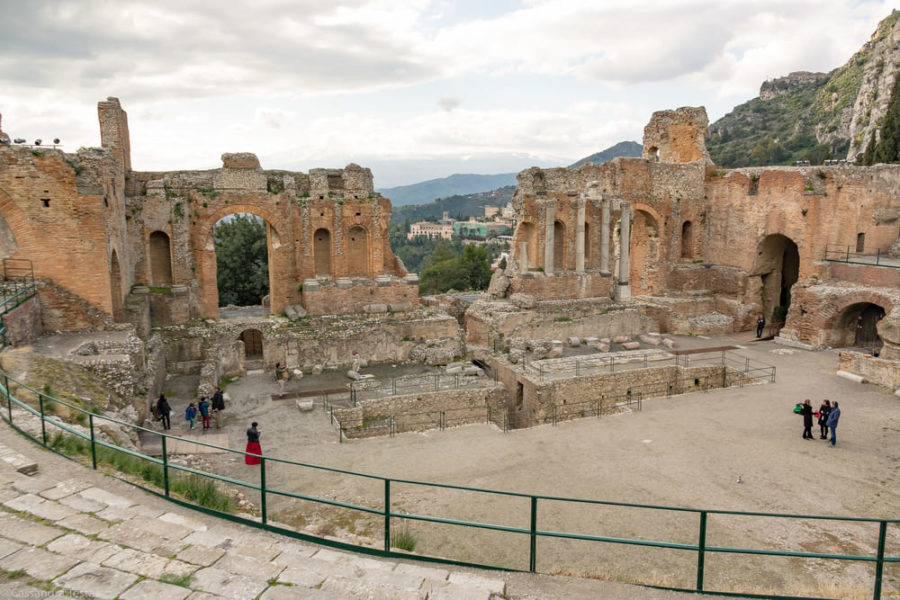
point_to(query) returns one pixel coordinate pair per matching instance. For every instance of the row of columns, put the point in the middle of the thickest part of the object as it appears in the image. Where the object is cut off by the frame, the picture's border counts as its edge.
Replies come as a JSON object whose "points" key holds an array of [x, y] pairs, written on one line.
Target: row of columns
{"points": [[623, 289]]}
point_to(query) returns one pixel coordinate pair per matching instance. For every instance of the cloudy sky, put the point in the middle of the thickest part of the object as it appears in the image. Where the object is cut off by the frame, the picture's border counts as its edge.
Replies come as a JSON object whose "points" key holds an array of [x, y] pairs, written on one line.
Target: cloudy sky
{"points": [[415, 89]]}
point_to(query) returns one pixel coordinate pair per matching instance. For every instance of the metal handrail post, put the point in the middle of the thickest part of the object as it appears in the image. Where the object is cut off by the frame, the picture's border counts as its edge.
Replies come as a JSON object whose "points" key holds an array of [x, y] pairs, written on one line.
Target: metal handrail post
{"points": [[532, 554], [701, 550], [165, 466], [262, 489], [877, 256], [848, 254], [879, 559], [93, 441], [387, 515], [43, 422], [8, 396]]}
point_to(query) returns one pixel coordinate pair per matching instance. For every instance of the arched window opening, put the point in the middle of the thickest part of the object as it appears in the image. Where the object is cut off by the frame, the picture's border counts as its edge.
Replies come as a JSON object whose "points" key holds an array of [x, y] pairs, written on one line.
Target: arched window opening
{"points": [[322, 252], [357, 252], [860, 243], [687, 240], [242, 261], [160, 259], [253, 346]]}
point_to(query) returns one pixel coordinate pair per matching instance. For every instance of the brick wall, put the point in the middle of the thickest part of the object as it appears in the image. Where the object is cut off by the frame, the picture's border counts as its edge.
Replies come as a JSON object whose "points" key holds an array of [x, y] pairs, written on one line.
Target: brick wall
{"points": [[24, 324], [877, 370]]}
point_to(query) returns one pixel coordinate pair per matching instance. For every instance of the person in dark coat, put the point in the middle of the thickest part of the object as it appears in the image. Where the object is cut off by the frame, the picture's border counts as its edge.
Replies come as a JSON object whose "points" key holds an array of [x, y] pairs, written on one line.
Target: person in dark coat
{"points": [[824, 411], [164, 411], [253, 446], [760, 325], [218, 405], [807, 411], [832, 421]]}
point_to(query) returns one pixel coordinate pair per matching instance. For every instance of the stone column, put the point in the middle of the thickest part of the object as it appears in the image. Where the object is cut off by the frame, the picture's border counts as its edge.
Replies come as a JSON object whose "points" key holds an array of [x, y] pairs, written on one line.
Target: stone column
{"points": [[579, 236], [623, 290], [604, 239], [549, 220], [523, 257]]}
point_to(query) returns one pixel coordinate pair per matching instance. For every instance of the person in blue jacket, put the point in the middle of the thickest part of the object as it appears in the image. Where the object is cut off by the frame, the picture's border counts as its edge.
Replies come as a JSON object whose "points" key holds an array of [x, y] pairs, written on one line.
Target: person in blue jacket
{"points": [[832, 421], [190, 414]]}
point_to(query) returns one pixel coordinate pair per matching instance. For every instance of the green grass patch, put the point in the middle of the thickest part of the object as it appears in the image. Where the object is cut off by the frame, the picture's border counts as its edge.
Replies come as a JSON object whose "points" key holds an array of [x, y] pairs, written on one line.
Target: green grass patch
{"points": [[227, 380], [160, 290], [562, 319], [179, 580], [404, 540], [17, 574]]}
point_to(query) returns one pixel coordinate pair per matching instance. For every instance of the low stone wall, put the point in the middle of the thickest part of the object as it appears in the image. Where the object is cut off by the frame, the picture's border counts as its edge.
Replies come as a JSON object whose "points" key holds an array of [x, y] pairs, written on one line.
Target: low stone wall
{"points": [[420, 412], [876, 276], [349, 296], [24, 323], [877, 370], [562, 285]]}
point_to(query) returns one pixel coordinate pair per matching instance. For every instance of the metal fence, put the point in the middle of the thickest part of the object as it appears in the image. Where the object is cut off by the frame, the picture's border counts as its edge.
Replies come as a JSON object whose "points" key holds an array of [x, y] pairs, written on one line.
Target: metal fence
{"points": [[369, 426], [532, 521], [368, 389], [844, 255]]}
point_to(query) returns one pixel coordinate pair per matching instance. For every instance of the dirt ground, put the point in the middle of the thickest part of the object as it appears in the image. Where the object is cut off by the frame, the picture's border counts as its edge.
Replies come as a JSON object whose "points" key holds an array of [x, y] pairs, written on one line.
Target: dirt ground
{"points": [[686, 451]]}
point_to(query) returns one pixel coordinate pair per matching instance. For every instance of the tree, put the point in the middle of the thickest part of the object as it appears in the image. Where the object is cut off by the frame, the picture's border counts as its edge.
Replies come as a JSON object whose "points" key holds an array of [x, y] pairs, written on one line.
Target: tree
{"points": [[242, 268], [449, 269], [887, 150]]}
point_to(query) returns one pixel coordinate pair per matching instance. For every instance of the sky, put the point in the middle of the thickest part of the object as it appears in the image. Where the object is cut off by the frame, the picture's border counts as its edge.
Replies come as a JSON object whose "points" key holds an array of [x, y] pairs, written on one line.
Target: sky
{"points": [[414, 89]]}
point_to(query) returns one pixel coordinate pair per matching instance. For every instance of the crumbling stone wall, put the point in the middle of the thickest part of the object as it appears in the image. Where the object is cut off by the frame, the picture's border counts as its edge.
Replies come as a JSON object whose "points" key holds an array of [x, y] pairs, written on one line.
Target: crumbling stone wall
{"points": [[677, 136]]}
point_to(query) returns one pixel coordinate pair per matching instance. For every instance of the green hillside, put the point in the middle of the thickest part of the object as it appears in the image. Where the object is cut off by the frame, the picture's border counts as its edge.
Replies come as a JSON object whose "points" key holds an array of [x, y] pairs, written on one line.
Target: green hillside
{"points": [[460, 207]]}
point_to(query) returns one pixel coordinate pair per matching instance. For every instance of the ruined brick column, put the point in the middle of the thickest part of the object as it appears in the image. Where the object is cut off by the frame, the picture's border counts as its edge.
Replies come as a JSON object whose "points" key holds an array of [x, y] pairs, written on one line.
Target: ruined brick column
{"points": [[623, 290], [579, 235], [604, 238], [549, 220]]}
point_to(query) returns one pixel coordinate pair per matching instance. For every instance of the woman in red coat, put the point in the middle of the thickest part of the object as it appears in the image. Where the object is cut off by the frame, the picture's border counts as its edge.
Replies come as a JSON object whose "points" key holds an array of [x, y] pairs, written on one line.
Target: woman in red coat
{"points": [[253, 446]]}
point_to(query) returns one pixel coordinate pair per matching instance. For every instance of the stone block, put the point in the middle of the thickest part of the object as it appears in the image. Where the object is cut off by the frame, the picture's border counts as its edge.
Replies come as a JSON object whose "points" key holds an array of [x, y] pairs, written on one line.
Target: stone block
{"points": [[155, 590], [602, 347], [669, 343], [223, 583], [631, 345], [96, 582], [573, 341], [311, 285], [621, 339], [198, 554], [38, 563], [317, 369], [522, 300], [240, 160], [650, 339], [351, 374], [344, 283], [851, 376], [605, 340], [383, 280], [305, 405], [400, 307], [375, 308], [590, 340], [37, 506], [453, 369]]}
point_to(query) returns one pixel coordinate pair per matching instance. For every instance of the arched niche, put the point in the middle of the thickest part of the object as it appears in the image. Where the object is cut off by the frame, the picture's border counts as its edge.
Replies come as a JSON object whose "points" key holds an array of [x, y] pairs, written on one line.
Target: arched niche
{"points": [[160, 250], [357, 252], [777, 264], [559, 246], [687, 240], [322, 252]]}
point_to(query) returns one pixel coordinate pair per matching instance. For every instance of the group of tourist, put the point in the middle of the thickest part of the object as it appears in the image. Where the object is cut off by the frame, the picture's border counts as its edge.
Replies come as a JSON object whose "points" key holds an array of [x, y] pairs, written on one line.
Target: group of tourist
{"points": [[827, 415], [206, 408]]}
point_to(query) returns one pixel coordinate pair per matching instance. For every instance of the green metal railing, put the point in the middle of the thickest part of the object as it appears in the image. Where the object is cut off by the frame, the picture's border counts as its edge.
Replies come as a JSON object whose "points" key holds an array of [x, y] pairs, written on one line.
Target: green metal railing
{"points": [[16, 287], [537, 505], [844, 255]]}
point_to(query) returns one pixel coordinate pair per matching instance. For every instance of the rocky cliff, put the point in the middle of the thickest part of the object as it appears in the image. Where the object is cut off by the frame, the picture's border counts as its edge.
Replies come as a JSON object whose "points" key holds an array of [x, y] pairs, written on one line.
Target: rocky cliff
{"points": [[813, 116]]}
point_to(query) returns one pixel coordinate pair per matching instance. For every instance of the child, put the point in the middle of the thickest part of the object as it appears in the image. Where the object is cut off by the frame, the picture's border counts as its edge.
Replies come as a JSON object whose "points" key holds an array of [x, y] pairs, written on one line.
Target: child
{"points": [[204, 412], [190, 414]]}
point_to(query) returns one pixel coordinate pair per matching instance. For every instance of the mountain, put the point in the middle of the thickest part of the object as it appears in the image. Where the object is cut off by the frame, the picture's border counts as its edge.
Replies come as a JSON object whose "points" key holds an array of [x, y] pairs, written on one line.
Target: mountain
{"points": [[426, 191], [814, 116], [461, 206], [630, 149]]}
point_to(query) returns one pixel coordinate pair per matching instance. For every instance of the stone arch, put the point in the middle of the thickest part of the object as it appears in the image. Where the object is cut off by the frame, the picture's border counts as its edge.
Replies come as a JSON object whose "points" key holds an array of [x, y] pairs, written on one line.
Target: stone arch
{"points": [[322, 252], [559, 246], [854, 320], [687, 240], [282, 289], [777, 265], [115, 288], [357, 252], [526, 240], [160, 251], [643, 272]]}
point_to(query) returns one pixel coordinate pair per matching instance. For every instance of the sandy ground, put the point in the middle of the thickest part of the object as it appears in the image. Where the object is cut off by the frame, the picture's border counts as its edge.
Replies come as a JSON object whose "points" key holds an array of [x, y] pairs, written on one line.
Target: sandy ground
{"points": [[687, 451]]}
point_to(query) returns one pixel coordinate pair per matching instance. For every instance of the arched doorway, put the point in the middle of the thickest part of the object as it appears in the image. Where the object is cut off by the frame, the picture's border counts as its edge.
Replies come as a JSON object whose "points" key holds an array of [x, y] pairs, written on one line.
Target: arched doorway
{"points": [[643, 273], [115, 288], [687, 240], [858, 326], [357, 252], [559, 246], [322, 252], [253, 346], [160, 259], [242, 262], [778, 266]]}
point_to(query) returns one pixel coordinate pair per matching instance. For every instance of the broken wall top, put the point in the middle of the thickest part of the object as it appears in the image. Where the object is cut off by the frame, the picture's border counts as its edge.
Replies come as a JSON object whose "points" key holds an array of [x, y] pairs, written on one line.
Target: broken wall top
{"points": [[677, 136]]}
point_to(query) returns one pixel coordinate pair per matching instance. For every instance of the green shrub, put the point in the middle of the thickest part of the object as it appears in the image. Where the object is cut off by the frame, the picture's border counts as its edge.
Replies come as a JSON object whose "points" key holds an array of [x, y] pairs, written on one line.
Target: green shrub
{"points": [[404, 540]]}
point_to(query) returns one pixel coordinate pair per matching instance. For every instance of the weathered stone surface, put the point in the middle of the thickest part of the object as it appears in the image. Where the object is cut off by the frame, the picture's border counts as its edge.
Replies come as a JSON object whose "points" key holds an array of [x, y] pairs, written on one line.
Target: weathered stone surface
{"points": [[499, 284], [573, 341], [96, 581], [200, 555], [155, 590], [631, 345], [621, 339], [27, 532], [38, 563], [223, 583], [525, 301], [240, 160]]}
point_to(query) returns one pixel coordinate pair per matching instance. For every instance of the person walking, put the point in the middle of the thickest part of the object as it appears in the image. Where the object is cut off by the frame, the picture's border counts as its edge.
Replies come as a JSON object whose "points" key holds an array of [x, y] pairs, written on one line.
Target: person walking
{"points": [[824, 411], [285, 374], [832, 421], [807, 412], [164, 411], [218, 405], [190, 415], [760, 324], [254, 450], [204, 412]]}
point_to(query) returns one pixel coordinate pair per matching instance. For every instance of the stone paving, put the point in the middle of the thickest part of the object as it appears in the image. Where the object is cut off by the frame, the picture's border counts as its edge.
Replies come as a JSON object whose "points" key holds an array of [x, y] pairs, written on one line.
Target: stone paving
{"points": [[73, 536]]}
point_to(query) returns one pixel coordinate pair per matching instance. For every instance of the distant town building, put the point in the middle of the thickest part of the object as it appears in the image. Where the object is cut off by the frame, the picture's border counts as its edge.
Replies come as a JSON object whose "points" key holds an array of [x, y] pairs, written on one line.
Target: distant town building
{"points": [[432, 230]]}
